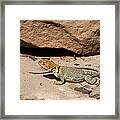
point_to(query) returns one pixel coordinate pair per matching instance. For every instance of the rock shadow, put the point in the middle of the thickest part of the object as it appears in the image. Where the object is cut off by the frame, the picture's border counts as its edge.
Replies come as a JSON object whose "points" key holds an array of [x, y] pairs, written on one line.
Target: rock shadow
{"points": [[47, 52], [83, 90]]}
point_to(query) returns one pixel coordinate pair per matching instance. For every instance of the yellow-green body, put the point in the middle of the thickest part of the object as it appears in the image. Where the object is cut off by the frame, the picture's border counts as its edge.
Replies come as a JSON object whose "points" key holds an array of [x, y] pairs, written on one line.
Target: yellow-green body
{"points": [[73, 74]]}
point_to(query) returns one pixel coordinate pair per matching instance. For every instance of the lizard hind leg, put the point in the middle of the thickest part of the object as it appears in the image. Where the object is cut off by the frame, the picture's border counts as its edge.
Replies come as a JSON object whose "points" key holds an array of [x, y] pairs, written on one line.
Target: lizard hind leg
{"points": [[90, 80]]}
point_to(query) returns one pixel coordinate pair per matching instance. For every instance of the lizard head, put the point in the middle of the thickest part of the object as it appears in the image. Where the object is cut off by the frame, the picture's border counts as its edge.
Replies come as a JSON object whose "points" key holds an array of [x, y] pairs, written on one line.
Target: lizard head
{"points": [[47, 64]]}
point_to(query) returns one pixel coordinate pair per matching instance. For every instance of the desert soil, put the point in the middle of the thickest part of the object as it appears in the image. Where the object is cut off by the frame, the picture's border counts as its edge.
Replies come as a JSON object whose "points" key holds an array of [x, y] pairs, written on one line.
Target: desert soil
{"points": [[42, 86]]}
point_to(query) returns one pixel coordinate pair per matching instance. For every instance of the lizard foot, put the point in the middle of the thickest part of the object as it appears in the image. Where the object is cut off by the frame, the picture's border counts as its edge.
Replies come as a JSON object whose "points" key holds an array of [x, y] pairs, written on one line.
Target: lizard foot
{"points": [[59, 82]]}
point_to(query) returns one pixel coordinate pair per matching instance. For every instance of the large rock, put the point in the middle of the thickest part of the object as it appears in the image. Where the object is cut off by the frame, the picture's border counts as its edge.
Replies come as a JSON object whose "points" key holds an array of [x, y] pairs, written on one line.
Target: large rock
{"points": [[80, 36]]}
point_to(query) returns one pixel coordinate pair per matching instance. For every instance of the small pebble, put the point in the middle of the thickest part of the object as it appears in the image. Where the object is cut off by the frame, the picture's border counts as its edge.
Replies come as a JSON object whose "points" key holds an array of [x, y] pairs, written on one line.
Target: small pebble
{"points": [[88, 65], [76, 64], [42, 99], [41, 84]]}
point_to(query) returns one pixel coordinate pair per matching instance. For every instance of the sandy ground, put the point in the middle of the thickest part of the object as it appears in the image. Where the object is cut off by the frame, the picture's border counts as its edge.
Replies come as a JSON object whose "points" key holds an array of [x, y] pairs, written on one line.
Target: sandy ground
{"points": [[42, 86]]}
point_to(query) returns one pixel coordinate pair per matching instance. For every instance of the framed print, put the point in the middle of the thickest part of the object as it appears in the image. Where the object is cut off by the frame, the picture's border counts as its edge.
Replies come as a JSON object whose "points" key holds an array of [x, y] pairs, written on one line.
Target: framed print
{"points": [[60, 59]]}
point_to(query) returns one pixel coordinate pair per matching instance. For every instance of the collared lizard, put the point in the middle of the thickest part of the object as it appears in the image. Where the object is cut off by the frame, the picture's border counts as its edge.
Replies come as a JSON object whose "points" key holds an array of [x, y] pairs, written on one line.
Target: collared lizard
{"points": [[71, 74]]}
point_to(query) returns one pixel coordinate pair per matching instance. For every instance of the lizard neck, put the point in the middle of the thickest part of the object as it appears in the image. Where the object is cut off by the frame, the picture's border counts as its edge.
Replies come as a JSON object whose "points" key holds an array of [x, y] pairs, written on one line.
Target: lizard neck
{"points": [[58, 70]]}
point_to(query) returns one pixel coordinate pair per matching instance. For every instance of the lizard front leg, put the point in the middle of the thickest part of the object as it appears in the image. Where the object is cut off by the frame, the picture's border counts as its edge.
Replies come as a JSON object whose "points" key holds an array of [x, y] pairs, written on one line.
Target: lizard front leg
{"points": [[61, 81]]}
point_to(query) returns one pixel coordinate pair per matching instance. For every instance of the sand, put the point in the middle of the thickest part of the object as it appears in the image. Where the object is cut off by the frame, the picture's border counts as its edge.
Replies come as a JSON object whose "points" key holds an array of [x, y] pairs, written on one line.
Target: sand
{"points": [[43, 87]]}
